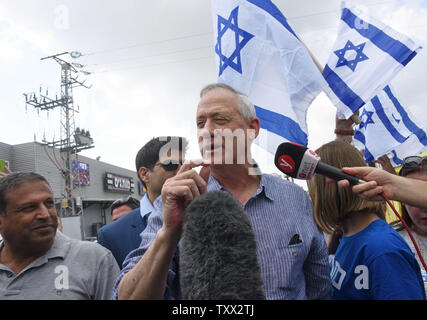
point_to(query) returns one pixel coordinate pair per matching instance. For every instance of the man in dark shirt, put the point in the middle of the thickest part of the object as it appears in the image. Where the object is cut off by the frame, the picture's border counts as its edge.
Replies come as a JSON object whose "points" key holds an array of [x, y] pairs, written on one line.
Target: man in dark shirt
{"points": [[153, 167]]}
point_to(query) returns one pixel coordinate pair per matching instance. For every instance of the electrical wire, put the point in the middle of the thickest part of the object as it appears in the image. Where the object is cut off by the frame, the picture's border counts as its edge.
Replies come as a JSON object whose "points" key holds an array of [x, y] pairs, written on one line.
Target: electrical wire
{"points": [[147, 44], [153, 65], [148, 56], [51, 160], [189, 37], [210, 33], [54, 155], [407, 230]]}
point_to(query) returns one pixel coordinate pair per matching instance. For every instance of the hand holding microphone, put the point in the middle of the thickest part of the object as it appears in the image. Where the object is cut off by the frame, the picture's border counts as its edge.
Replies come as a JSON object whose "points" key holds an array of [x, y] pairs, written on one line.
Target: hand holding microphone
{"points": [[394, 187], [299, 162], [377, 182]]}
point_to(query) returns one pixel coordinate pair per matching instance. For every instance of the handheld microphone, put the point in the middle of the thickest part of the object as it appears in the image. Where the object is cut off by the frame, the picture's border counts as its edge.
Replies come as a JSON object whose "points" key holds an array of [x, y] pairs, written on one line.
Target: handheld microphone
{"points": [[218, 258], [299, 162]]}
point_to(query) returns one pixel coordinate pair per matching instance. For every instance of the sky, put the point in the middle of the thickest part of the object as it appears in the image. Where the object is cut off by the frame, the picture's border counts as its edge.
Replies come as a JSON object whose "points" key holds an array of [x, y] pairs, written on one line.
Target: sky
{"points": [[148, 61]]}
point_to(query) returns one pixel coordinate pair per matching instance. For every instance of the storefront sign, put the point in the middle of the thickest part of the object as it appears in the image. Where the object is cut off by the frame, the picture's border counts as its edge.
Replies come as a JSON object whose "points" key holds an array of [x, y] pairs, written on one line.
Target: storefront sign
{"points": [[117, 183]]}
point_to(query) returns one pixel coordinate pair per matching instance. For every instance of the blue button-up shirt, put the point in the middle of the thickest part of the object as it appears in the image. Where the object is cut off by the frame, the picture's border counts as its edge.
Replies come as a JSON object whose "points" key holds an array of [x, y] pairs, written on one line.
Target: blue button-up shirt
{"points": [[145, 206], [279, 210]]}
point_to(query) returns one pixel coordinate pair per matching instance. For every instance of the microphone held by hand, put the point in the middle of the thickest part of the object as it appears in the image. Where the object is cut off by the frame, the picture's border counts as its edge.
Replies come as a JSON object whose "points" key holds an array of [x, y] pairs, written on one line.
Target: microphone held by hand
{"points": [[218, 259], [299, 162]]}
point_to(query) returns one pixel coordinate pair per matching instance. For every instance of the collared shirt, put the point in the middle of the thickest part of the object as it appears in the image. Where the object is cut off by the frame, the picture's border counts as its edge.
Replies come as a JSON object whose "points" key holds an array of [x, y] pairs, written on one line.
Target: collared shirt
{"points": [[280, 212], [124, 235], [70, 269], [145, 206]]}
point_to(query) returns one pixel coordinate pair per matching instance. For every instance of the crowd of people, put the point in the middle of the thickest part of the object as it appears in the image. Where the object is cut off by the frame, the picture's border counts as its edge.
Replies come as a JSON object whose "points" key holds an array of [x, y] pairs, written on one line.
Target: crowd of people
{"points": [[138, 254]]}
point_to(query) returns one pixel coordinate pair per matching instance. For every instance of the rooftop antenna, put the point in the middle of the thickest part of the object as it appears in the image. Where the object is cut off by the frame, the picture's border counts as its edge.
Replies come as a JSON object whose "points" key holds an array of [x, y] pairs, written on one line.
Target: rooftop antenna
{"points": [[69, 142]]}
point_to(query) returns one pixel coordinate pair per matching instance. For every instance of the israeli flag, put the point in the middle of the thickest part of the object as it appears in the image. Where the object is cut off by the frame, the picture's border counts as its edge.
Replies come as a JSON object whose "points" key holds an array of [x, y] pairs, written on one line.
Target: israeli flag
{"points": [[385, 125], [414, 145], [366, 55], [259, 54]]}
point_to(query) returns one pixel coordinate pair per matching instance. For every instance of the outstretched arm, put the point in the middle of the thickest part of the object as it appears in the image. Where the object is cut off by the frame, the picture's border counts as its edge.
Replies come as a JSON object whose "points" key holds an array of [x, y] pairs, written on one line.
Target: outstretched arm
{"points": [[407, 190]]}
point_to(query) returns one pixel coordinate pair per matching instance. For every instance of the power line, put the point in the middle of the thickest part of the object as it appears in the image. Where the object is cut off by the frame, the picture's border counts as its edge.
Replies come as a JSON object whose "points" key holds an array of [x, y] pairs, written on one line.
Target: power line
{"points": [[150, 56], [148, 43], [205, 34], [189, 50], [154, 65]]}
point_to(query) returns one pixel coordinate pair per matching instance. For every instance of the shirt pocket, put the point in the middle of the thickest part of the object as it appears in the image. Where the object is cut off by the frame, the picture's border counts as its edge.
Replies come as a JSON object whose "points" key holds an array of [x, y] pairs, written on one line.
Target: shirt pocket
{"points": [[290, 265]]}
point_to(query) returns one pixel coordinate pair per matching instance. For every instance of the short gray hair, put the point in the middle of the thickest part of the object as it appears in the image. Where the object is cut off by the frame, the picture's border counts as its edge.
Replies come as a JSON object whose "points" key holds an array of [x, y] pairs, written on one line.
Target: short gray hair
{"points": [[245, 106]]}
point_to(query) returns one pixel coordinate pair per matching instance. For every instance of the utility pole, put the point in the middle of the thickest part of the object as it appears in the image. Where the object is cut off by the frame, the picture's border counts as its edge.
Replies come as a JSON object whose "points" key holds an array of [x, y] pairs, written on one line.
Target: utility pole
{"points": [[71, 141]]}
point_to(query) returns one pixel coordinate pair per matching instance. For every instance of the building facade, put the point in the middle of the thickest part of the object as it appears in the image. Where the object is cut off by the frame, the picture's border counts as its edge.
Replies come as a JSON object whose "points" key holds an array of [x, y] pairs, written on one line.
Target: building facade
{"points": [[96, 184]]}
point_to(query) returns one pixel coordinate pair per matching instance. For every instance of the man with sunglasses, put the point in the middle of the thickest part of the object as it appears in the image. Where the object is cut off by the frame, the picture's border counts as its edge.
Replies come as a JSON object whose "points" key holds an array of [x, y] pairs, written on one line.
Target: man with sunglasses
{"points": [[407, 190], [123, 206], [159, 159]]}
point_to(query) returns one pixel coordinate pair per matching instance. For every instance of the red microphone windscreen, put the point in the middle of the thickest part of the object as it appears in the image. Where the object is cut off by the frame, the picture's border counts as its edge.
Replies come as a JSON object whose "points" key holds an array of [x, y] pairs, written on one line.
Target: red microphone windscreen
{"points": [[295, 160]]}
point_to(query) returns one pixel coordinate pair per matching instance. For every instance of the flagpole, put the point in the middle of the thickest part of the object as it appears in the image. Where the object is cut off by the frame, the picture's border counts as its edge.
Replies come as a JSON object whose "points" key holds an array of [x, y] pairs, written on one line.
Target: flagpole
{"points": [[316, 62]]}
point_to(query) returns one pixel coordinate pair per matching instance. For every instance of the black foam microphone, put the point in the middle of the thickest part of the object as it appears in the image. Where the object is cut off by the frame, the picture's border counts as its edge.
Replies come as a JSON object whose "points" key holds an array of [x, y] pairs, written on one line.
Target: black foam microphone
{"points": [[299, 162], [218, 259]]}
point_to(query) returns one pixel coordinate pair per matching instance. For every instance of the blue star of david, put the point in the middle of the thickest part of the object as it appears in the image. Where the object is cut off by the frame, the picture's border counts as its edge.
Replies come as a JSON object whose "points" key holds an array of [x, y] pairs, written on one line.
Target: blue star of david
{"points": [[368, 114], [352, 64], [241, 38]]}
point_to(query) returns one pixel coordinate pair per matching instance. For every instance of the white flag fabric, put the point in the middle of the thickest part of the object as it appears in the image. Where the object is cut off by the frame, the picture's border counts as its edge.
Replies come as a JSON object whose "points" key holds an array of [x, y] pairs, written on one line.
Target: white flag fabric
{"points": [[385, 125], [414, 145], [259, 54], [366, 55]]}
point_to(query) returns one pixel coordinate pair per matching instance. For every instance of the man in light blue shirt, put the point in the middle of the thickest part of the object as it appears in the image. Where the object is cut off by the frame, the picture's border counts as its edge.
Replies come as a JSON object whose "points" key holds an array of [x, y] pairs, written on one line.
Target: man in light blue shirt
{"points": [[153, 168], [291, 250]]}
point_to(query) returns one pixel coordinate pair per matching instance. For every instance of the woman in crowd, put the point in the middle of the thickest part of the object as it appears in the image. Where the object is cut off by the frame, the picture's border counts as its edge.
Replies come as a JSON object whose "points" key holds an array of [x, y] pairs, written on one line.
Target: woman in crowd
{"points": [[372, 260], [415, 218]]}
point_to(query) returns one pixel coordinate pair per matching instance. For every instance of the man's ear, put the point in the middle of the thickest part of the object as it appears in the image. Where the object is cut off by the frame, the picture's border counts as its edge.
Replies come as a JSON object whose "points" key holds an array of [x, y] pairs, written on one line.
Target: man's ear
{"points": [[255, 125], [143, 174]]}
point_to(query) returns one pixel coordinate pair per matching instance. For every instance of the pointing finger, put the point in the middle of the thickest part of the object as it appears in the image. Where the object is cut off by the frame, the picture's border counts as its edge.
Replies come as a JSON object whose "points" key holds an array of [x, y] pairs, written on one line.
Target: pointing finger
{"points": [[190, 164]]}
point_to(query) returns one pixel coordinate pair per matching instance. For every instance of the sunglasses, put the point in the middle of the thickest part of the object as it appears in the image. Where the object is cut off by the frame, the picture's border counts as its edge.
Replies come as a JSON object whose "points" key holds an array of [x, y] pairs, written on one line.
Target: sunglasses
{"points": [[411, 162], [124, 200], [170, 166]]}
